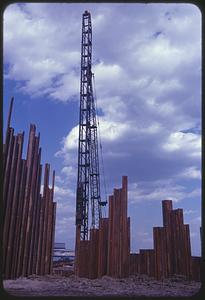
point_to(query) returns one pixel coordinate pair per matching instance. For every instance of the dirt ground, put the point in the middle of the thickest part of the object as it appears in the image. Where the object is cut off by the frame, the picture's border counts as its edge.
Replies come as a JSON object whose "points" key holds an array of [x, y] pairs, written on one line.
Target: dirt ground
{"points": [[135, 285]]}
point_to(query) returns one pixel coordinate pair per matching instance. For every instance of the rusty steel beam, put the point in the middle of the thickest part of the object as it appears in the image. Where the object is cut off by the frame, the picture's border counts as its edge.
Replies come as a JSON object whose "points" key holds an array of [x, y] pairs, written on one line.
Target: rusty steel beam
{"points": [[32, 155], [118, 233], [160, 251], [53, 225], [7, 169], [36, 233], [40, 236], [196, 262], [19, 219], [110, 236], [103, 247], [187, 251], [45, 219], [49, 245], [8, 212], [49, 229], [94, 251], [52, 237], [8, 133], [36, 182], [14, 208], [84, 261], [24, 226]]}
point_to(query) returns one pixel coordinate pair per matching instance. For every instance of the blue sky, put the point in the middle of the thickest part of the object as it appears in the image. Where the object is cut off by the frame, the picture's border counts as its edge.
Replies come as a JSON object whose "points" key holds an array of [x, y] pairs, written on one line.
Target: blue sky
{"points": [[147, 65]]}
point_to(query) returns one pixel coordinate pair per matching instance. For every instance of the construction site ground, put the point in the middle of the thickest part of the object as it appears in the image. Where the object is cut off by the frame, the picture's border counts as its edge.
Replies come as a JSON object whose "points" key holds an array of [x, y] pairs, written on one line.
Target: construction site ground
{"points": [[71, 285]]}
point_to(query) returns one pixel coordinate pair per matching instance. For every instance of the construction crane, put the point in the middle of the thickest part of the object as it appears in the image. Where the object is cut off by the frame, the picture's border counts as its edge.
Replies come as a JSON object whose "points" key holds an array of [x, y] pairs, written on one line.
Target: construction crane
{"points": [[88, 180]]}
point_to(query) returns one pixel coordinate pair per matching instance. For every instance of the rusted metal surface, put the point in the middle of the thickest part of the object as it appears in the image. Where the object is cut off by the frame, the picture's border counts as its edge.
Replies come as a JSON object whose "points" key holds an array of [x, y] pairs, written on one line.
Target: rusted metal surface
{"points": [[160, 251], [14, 207], [24, 226], [108, 246], [134, 263], [195, 268], [84, 261], [103, 247], [171, 254], [147, 262], [94, 253]]}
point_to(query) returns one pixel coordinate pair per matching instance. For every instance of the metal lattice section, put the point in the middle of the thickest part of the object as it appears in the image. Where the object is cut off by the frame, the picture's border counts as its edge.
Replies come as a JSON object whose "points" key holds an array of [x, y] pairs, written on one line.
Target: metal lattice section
{"points": [[88, 183]]}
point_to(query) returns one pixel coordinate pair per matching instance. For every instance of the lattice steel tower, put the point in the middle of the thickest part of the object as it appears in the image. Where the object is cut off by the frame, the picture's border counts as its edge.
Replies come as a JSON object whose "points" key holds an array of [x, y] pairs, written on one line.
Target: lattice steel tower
{"points": [[88, 182]]}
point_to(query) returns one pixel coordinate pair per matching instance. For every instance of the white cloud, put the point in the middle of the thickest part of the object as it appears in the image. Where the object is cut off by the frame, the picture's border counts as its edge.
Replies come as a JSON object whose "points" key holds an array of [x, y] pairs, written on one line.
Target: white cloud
{"points": [[147, 69], [196, 220], [159, 191], [186, 142], [38, 57], [191, 172], [62, 192], [71, 140], [189, 211]]}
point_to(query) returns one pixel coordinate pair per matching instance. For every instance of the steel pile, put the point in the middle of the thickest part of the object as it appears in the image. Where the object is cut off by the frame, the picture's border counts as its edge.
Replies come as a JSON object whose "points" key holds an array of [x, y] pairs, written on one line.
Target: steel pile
{"points": [[28, 216], [107, 252]]}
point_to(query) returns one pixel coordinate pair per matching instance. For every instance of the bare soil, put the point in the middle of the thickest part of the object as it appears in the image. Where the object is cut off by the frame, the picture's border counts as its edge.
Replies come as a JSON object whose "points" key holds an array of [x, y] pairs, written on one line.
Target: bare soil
{"points": [[135, 285]]}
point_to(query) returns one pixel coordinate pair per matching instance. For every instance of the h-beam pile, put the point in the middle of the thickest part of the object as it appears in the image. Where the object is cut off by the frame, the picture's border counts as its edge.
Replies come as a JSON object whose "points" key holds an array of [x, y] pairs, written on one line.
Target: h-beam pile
{"points": [[107, 250], [28, 216]]}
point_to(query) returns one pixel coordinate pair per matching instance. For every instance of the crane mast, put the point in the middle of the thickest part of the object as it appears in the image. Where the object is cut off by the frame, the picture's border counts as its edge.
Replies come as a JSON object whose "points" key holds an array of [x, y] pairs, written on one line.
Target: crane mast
{"points": [[88, 180]]}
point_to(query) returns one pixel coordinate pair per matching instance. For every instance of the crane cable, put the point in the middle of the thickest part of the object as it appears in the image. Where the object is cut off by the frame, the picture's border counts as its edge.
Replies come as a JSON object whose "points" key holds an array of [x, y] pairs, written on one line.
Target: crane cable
{"points": [[101, 151]]}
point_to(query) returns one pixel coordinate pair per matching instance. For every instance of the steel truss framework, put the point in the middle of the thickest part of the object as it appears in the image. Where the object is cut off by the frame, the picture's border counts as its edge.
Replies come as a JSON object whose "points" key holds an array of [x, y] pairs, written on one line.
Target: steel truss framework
{"points": [[88, 182]]}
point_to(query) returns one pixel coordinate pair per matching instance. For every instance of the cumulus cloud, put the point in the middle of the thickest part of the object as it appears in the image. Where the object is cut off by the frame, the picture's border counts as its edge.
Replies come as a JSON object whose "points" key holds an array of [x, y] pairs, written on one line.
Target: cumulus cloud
{"points": [[179, 141], [147, 68], [160, 190], [191, 173]]}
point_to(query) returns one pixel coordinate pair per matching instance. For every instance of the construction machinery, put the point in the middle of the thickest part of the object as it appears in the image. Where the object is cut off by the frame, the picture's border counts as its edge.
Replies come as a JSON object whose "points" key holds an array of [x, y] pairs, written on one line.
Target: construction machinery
{"points": [[88, 179]]}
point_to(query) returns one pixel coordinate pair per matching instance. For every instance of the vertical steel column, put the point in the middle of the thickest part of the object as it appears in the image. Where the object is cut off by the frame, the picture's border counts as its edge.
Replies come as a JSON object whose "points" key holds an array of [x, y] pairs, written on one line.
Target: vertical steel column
{"points": [[8, 211], [32, 162], [19, 219], [14, 208], [103, 247], [35, 205], [45, 219]]}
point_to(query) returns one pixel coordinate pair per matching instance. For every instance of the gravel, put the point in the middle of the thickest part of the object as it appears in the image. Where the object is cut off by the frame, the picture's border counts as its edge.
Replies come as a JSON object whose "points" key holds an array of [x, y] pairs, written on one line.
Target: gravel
{"points": [[135, 285]]}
